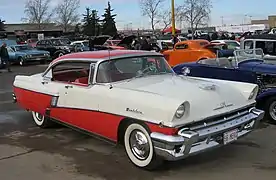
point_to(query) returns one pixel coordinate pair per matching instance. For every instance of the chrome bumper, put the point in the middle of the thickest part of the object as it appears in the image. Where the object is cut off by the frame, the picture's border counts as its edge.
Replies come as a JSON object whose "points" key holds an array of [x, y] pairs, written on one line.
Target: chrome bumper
{"points": [[190, 141]]}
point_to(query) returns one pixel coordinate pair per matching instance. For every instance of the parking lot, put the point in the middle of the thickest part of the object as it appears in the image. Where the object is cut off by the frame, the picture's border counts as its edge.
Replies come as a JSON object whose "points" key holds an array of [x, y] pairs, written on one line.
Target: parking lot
{"points": [[27, 152]]}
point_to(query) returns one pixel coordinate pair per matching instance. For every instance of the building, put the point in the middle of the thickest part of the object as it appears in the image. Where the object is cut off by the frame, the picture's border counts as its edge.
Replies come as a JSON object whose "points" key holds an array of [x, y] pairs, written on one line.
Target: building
{"points": [[272, 21], [260, 21], [29, 30]]}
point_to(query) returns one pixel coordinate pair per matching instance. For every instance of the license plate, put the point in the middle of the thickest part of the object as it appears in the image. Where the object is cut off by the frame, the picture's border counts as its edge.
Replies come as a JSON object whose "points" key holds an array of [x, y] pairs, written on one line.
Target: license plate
{"points": [[230, 136]]}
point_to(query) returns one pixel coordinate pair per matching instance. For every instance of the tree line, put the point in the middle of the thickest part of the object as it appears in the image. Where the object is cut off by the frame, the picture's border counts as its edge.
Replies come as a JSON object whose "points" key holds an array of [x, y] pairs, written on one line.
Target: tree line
{"points": [[66, 14], [194, 12]]}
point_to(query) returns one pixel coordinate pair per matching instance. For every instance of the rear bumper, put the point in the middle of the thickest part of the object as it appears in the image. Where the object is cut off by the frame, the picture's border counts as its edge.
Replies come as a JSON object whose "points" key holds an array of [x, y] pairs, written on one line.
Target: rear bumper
{"points": [[189, 142]]}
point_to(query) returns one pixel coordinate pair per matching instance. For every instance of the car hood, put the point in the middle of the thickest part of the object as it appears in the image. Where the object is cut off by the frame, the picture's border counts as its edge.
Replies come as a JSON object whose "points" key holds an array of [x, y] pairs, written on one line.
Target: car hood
{"points": [[258, 66], [34, 52], [204, 101]]}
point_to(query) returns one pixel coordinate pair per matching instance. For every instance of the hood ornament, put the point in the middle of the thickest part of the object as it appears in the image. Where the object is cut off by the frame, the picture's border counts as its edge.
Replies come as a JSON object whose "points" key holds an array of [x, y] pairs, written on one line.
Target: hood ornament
{"points": [[223, 105], [210, 87]]}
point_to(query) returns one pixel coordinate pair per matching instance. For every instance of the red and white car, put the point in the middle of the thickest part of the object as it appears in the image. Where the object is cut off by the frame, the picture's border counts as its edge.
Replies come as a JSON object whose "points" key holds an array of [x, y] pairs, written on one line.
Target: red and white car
{"points": [[134, 98]]}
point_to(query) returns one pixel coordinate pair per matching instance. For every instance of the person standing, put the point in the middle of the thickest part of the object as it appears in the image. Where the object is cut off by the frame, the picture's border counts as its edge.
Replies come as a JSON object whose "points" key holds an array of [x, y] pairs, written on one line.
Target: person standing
{"points": [[146, 46], [5, 60]]}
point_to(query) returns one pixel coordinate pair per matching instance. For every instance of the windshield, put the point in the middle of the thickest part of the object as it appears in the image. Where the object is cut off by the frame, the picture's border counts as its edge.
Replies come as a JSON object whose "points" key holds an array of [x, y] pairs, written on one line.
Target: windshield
{"points": [[59, 42], [232, 45], [246, 54], [22, 48], [85, 43], [128, 68]]}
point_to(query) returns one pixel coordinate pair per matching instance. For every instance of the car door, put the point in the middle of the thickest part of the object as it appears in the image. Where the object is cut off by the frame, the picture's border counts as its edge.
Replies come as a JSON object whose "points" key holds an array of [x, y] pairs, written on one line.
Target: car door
{"points": [[12, 54], [180, 54]]}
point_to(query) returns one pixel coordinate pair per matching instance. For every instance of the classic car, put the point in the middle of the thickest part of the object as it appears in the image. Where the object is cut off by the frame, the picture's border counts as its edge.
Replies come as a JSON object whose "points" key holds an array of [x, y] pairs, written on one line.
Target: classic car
{"points": [[23, 54], [247, 66], [231, 44], [81, 45], [191, 51], [56, 46], [134, 98]]}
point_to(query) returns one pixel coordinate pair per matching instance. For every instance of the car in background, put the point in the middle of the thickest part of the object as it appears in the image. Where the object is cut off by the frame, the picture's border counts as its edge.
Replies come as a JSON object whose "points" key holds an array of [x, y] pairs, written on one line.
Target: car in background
{"points": [[81, 45], [55, 46], [246, 66], [23, 54], [191, 51], [231, 44], [134, 98]]}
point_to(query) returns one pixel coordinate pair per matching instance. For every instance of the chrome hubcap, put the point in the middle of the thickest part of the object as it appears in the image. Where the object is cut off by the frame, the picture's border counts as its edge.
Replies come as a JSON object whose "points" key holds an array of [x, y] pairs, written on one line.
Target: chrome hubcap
{"points": [[39, 116], [60, 55], [139, 144], [272, 110]]}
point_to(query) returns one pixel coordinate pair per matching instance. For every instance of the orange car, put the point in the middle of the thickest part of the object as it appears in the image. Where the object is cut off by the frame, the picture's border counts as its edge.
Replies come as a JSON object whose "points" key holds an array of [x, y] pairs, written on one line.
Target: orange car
{"points": [[190, 51]]}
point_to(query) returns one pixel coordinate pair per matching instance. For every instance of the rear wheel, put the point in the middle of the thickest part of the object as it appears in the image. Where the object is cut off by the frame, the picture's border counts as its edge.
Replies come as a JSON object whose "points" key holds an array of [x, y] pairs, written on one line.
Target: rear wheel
{"points": [[41, 121], [139, 147]]}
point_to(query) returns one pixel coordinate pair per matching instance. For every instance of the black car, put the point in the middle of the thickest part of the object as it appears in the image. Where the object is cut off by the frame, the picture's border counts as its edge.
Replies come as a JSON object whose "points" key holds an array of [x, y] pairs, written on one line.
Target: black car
{"points": [[56, 46]]}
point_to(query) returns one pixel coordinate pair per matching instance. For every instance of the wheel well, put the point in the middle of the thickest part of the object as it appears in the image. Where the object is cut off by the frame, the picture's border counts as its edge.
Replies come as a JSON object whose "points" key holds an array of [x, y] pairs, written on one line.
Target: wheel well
{"points": [[202, 58], [124, 124], [262, 102]]}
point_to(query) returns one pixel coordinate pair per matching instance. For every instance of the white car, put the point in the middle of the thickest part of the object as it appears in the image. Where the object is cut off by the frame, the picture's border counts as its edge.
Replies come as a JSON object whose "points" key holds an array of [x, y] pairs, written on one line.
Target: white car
{"points": [[134, 98], [232, 44]]}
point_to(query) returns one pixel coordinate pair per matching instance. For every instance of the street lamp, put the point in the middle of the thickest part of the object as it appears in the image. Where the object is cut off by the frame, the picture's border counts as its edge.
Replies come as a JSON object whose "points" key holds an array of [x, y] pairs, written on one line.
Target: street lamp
{"points": [[173, 18]]}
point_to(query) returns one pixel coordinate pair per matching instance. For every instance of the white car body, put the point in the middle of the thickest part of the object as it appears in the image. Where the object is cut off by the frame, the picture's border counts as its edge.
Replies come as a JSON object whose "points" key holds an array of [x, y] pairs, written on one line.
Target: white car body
{"points": [[152, 100]]}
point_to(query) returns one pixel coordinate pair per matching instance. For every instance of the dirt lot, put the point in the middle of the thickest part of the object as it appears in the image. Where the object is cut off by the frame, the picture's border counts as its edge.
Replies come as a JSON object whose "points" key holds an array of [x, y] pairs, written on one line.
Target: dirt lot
{"points": [[27, 152]]}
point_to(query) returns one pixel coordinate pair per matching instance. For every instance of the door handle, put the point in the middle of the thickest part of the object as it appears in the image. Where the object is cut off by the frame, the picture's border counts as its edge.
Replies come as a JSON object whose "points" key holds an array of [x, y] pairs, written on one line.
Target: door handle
{"points": [[68, 86]]}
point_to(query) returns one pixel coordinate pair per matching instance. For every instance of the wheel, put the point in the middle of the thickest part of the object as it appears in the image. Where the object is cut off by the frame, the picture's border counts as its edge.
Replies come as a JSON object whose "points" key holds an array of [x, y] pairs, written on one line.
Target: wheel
{"points": [[270, 109], [21, 61], [60, 54], [139, 147], [41, 121]]}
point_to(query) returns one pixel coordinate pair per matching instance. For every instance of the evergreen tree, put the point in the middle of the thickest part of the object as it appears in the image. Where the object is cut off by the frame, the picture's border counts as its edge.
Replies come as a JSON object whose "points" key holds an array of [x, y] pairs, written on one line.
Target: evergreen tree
{"points": [[2, 25], [91, 25], [108, 22], [77, 28]]}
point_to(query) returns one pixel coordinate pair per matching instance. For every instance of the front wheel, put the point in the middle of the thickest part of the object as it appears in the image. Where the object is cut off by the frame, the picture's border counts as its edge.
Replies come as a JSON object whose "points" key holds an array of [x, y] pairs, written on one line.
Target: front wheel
{"points": [[270, 109], [139, 147], [41, 121], [21, 61]]}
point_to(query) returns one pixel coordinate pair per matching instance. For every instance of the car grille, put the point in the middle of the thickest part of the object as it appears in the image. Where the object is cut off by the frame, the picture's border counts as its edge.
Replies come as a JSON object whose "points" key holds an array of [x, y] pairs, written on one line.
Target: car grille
{"points": [[37, 55], [212, 121]]}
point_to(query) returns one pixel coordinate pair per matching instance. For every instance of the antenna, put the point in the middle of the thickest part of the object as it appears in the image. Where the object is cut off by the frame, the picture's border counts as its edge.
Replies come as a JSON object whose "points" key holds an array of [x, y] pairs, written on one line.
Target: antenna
{"points": [[109, 73]]}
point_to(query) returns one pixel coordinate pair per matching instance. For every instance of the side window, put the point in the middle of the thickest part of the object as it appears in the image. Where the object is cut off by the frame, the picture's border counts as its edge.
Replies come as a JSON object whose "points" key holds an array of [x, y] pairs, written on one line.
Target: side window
{"points": [[181, 46], [10, 49], [248, 44], [269, 48], [72, 72]]}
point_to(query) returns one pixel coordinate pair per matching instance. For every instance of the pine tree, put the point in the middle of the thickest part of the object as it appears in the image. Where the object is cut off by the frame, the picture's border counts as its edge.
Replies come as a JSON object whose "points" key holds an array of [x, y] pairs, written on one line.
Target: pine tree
{"points": [[2, 25], [109, 24], [91, 25]]}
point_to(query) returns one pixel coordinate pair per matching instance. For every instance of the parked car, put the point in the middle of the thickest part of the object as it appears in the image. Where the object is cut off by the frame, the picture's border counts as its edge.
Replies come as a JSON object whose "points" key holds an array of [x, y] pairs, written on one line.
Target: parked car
{"points": [[247, 66], [81, 45], [56, 46], [267, 42], [23, 54], [191, 51], [135, 98], [231, 44]]}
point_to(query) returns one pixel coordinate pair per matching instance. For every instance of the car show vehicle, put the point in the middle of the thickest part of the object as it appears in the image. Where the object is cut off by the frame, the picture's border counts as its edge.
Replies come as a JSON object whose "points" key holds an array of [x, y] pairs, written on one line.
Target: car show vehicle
{"points": [[247, 66], [190, 51], [134, 98], [55, 46], [81, 45], [231, 44], [23, 54]]}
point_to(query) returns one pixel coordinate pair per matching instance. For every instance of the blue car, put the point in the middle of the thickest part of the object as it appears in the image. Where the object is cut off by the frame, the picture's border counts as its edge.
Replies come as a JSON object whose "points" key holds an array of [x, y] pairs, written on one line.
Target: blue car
{"points": [[23, 54], [247, 66]]}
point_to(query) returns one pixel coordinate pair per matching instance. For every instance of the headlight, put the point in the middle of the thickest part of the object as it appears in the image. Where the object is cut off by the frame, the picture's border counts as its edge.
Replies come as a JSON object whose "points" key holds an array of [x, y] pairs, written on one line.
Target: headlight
{"points": [[186, 71], [253, 93], [180, 111]]}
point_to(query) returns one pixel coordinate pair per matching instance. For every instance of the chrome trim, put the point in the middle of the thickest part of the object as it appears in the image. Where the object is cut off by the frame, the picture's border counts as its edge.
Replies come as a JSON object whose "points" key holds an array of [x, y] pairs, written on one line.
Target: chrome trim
{"points": [[189, 142], [14, 98]]}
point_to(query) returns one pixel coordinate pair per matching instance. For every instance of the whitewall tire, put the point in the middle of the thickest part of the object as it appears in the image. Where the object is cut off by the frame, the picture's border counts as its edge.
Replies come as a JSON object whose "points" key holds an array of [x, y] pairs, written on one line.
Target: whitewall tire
{"points": [[41, 121], [139, 147]]}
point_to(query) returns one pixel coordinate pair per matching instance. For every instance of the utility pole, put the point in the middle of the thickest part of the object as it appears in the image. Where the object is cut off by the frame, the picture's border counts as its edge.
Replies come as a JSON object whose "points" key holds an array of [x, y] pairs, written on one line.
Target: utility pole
{"points": [[222, 22], [173, 18]]}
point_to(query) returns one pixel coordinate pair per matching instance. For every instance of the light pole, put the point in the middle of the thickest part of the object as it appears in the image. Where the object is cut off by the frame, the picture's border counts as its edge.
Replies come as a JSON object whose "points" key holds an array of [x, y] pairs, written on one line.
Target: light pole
{"points": [[173, 18]]}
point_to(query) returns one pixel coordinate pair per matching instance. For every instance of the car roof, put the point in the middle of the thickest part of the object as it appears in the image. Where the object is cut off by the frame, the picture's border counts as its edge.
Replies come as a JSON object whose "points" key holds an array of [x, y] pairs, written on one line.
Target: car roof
{"points": [[105, 55]]}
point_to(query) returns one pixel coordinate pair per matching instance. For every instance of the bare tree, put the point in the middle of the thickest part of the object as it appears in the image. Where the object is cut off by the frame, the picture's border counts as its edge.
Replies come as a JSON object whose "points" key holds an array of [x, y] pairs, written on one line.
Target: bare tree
{"points": [[196, 12], [38, 12], [151, 9], [67, 13], [166, 17]]}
